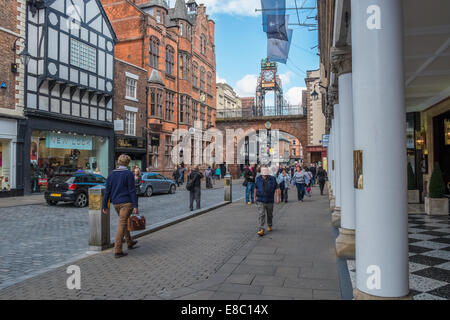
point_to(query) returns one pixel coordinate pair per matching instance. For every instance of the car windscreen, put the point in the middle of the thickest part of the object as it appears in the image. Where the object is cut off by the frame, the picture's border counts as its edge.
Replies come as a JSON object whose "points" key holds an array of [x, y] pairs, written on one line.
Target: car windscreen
{"points": [[62, 179]]}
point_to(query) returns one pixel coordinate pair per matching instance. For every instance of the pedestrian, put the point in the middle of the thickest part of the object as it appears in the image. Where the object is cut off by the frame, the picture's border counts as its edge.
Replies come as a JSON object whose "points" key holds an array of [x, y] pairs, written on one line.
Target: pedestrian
{"points": [[309, 184], [300, 180], [208, 176], [121, 190], [283, 181], [137, 180], [322, 178], [218, 173], [314, 173], [250, 176], [265, 187], [181, 173], [176, 175], [195, 193]]}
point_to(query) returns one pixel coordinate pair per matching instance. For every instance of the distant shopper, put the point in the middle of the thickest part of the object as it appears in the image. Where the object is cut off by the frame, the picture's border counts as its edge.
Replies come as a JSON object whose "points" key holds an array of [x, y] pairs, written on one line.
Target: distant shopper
{"points": [[265, 187], [250, 179], [195, 193], [181, 174], [208, 176], [97, 171], [218, 173], [300, 179], [137, 179], [322, 178], [121, 190], [176, 175], [283, 181]]}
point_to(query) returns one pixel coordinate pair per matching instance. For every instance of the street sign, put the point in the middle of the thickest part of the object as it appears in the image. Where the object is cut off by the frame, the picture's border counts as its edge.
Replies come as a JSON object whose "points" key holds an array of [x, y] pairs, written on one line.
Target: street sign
{"points": [[325, 140]]}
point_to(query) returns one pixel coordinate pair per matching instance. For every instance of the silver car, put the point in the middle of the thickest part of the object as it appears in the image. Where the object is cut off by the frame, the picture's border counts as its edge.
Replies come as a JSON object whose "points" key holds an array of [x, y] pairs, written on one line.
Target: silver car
{"points": [[154, 182]]}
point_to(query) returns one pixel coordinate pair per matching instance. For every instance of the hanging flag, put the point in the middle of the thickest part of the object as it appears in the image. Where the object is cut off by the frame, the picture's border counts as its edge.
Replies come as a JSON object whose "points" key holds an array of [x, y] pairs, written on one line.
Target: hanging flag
{"points": [[272, 7], [277, 27], [278, 50]]}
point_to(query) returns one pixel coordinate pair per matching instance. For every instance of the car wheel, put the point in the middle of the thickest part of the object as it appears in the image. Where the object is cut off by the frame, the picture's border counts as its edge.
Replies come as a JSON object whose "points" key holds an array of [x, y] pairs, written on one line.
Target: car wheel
{"points": [[81, 201], [172, 189], [52, 202], [149, 192]]}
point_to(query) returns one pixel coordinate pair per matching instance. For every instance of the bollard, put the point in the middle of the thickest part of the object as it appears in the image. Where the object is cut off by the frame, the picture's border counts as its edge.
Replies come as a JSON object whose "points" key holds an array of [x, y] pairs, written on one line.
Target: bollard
{"points": [[99, 232], [227, 186]]}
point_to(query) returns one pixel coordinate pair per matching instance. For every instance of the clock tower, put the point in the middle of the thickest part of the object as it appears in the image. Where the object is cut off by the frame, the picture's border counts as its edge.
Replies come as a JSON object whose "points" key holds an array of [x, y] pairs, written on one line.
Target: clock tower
{"points": [[269, 81]]}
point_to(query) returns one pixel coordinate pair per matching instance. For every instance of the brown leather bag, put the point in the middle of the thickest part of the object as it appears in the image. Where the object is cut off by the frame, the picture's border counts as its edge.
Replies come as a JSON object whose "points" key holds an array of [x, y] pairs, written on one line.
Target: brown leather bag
{"points": [[136, 223]]}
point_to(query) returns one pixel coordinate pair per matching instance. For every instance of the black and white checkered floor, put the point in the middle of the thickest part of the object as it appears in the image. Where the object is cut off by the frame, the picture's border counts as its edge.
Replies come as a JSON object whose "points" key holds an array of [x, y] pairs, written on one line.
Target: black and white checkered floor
{"points": [[429, 257]]}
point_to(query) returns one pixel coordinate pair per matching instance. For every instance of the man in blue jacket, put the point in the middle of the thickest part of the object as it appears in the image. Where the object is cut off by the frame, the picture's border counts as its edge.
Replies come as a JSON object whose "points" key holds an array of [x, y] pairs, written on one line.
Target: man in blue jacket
{"points": [[265, 187], [120, 189]]}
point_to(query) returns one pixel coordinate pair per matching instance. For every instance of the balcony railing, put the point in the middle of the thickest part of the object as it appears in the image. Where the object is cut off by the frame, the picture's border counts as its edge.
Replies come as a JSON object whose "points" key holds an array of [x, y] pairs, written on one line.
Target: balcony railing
{"points": [[268, 111]]}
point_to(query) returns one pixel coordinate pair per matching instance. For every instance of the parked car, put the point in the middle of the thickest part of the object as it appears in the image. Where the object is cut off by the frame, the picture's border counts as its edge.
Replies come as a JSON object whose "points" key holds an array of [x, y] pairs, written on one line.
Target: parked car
{"points": [[154, 182], [72, 188]]}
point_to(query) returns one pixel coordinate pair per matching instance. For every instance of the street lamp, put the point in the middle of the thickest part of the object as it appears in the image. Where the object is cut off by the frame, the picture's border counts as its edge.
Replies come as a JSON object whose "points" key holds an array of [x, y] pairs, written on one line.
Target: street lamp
{"points": [[314, 94], [24, 56]]}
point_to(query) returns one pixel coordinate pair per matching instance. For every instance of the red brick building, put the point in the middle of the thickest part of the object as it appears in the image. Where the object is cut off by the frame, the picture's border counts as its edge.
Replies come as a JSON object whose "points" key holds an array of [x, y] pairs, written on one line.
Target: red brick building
{"points": [[248, 105], [176, 47], [12, 35]]}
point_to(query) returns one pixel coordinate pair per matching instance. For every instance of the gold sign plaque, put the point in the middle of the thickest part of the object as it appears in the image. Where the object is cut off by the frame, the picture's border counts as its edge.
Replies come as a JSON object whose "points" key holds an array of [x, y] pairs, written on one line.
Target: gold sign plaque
{"points": [[95, 201], [358, 169]]}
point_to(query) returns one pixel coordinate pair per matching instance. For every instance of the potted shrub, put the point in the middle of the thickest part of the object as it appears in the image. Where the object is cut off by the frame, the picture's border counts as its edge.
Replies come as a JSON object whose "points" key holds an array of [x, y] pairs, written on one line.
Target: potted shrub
{"points": [[413, 191], [436, 203]]}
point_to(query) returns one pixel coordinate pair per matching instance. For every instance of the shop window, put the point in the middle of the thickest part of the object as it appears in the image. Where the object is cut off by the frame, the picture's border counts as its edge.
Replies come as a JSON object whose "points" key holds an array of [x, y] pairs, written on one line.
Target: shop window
{"points": [[54, 153], [130, 123]]}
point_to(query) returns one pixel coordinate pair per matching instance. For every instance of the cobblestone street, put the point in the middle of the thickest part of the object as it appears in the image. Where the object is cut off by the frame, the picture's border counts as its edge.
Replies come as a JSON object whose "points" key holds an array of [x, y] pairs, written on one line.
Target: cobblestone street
{"points": [[37, 237], [213, 256]]}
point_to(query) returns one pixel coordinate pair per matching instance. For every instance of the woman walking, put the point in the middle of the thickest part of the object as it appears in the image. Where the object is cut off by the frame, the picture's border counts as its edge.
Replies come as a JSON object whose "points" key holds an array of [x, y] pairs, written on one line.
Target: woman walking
{"points": [[300, 181], [322, 178]]}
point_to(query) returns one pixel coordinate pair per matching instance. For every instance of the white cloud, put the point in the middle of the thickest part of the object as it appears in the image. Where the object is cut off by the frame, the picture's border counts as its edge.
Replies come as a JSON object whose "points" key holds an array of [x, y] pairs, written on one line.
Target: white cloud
{"points": [[233, 7], [219, 79], [246, 87], [286, 78], [294, 95]]}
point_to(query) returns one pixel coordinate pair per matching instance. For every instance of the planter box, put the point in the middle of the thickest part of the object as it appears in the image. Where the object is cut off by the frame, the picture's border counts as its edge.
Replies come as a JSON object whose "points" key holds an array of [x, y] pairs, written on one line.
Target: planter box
{"points": [[436, 206], [413, 196]]}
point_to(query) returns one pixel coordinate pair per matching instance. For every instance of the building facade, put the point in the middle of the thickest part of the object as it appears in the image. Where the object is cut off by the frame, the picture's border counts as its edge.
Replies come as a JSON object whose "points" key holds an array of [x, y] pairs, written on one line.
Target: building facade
{"points": [[69, 91], [316, 120], [228, 102], [176, 47], [248, 106], [12, 44], [130, 112]]}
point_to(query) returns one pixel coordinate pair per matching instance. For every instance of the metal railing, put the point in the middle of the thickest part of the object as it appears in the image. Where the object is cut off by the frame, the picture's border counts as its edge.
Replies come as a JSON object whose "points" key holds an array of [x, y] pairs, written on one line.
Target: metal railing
{"points": [[268, 111]]}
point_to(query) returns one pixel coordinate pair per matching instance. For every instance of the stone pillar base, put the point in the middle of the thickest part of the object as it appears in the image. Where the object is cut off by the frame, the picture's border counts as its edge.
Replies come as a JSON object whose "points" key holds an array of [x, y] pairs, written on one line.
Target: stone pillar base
{"points": [[359, 295], [336, 217], [345, 243], [332, 204]]}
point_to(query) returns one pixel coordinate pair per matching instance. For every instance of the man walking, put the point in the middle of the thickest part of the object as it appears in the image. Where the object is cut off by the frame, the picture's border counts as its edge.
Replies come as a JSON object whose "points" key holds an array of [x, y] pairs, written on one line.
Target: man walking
{"points": [[121, 190], [181, 174], [265, 187], [250, 176], [283, 181], [322, 178], [208, 176], [176, 175], [195, 192]]}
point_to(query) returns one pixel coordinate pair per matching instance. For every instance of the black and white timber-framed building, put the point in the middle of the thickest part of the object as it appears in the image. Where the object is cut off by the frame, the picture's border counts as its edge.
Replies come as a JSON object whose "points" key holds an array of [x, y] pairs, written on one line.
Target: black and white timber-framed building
{"points": [[69, 84]]}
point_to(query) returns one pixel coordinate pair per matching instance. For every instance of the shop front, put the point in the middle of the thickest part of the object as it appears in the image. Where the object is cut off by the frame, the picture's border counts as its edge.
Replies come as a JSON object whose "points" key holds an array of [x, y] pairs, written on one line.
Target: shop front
{"points": [[8, 160], [135, 147], [57, 147]]}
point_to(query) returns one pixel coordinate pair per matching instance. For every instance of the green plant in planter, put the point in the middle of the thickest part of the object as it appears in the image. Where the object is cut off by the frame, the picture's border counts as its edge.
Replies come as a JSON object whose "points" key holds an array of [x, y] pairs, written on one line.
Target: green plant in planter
{"points": [[437, 186], [412, 185]]}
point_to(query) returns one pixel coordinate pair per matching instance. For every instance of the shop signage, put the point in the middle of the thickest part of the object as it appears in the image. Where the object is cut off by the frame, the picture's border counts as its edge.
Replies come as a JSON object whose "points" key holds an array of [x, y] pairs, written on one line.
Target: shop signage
{"points": [[118, 125], [325, 140], [68, 141]]}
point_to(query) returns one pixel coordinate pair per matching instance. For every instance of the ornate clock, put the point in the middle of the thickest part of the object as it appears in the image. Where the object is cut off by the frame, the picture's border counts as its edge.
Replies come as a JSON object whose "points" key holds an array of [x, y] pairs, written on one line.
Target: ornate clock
{"points": [[268, 75]]}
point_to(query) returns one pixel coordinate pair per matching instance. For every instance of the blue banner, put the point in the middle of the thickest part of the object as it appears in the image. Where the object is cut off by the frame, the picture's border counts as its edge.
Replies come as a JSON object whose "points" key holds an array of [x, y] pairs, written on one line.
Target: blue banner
{"points": [[277, 27], [278, 50], [68, 141], [272, 7]]}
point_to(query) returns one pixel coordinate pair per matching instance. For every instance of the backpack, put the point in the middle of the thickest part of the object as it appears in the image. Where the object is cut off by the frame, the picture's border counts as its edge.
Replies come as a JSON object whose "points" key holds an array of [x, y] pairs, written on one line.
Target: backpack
{"points": [[190, 183]]}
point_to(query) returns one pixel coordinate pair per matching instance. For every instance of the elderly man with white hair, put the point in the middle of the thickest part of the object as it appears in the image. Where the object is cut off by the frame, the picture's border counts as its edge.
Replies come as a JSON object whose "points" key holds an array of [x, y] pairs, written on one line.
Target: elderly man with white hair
{"points": [[265, 188]]}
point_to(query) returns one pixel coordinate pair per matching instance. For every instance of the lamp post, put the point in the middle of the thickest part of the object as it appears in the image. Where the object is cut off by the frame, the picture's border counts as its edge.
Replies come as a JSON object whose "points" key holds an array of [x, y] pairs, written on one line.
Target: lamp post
{"points": [[24, 55]]}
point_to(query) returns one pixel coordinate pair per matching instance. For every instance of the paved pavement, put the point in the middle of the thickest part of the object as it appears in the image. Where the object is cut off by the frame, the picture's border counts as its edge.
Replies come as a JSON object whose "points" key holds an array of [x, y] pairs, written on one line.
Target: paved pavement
{"points": [[35, 238], [213, 256]]}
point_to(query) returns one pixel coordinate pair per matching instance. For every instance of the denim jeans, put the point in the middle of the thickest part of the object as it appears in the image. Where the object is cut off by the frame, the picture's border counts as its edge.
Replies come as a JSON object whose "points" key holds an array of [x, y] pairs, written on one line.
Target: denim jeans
{"points": [[300, 190], [250, 192]]}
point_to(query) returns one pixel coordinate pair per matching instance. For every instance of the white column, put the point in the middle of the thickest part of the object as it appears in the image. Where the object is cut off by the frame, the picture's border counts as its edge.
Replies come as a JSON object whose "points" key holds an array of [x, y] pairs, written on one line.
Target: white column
{"points": [[346, 152], [332, 161], [337, 161], [379, 118]]}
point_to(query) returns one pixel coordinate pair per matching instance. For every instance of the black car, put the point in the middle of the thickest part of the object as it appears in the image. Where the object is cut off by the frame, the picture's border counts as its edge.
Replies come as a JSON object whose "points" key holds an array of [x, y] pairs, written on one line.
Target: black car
{"points": [[72, 188]]}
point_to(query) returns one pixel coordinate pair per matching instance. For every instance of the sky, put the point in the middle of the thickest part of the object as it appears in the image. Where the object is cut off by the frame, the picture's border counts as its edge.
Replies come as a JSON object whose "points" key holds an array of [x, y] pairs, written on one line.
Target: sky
{"points": [[241, 44]]}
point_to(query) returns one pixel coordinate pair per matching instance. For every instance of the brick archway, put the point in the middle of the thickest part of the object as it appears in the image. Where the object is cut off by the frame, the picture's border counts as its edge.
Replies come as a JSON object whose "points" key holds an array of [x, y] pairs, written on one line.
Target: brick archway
{"points": [[293, 125]]}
